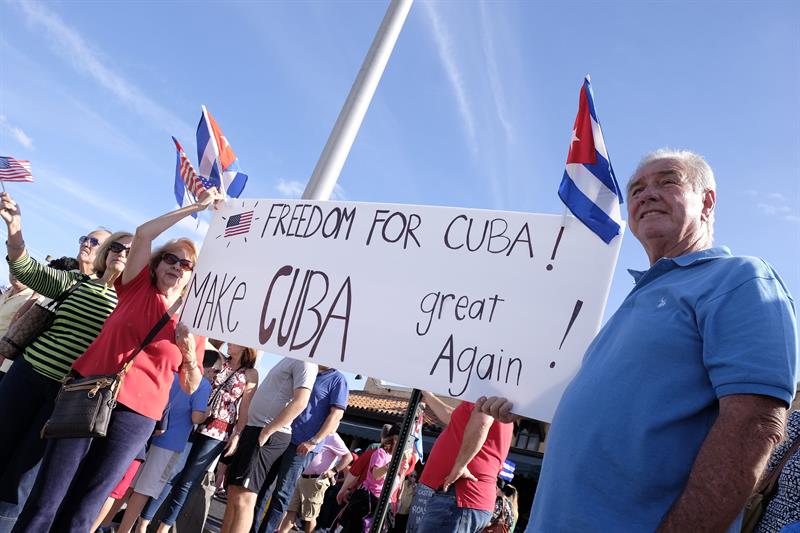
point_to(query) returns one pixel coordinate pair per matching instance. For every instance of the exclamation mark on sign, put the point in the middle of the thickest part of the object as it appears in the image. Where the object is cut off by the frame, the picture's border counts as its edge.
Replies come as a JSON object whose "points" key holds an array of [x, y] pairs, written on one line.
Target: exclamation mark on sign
{"points": [[575, 312], [555, 248]]}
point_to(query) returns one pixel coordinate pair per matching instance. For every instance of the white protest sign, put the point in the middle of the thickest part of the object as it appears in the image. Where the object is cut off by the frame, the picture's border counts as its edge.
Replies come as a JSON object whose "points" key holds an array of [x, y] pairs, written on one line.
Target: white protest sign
{"points": [[462, 302]]}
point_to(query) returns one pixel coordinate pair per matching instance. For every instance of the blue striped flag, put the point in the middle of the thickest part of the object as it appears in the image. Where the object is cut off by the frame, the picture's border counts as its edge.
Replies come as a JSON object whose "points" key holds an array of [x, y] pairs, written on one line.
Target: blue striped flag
{"points": [[216, 160], [589, 187], [507, 471]]}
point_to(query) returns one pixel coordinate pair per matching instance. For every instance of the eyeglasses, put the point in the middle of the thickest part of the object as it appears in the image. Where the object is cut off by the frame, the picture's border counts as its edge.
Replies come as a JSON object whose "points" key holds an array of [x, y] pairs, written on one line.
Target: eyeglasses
{"points": [[118, 248], [171, 259], [83, 239]]}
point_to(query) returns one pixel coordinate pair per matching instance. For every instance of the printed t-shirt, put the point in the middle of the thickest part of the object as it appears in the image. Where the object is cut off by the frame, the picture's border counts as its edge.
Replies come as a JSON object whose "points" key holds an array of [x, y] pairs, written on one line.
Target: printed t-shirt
{"points": [[327, 454], [330, 390], [147, 383], [277, 389], [694, 329], [181, 406], [380, 458], [485, 465]]}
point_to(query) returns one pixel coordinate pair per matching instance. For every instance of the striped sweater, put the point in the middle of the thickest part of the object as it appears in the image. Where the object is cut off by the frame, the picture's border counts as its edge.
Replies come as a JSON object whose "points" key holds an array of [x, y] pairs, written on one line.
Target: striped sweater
{"points": [[78, 319]]}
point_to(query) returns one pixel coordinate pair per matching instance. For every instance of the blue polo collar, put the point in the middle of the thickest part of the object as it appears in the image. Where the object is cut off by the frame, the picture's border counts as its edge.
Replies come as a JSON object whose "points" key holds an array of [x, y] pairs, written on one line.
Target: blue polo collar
{"points": [[667, 263]]}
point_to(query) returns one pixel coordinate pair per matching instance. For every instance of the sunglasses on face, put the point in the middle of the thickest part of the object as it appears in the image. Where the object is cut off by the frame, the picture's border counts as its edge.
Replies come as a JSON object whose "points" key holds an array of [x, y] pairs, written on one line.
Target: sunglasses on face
{"points": [[91, 241], [118, 248], [171, 259]]}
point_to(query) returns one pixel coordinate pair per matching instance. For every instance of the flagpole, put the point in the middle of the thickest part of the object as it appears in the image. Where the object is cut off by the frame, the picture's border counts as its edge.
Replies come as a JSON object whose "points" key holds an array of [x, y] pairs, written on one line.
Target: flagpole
{"points": [[330, 163], [326, 173]]}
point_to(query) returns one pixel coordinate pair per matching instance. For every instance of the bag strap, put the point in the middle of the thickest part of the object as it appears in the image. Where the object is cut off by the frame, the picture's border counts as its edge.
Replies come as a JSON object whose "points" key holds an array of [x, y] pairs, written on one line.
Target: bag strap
{"points": [[56, 302], [767, 486], [222, 385], [150, 336]]}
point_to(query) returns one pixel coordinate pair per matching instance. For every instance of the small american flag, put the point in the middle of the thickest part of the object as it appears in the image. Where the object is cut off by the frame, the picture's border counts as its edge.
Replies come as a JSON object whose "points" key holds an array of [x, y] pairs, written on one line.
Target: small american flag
{"points": [[194, 183], [239, 224], [15, 169]]}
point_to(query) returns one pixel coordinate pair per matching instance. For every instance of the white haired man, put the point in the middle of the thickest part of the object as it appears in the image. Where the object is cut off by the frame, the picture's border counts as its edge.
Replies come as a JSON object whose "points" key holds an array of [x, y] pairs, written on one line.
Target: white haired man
{"points": [[683, 393]]}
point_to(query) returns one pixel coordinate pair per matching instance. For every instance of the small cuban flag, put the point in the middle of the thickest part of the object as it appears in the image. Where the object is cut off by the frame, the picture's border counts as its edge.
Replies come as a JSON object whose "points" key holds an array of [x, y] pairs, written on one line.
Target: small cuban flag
{"points": [[589, 187], [507, 472]]}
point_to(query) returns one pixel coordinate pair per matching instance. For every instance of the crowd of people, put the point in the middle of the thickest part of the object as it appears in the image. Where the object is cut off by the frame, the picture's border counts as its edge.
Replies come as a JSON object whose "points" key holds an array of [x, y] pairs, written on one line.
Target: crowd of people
{"points": [[677, 416]]}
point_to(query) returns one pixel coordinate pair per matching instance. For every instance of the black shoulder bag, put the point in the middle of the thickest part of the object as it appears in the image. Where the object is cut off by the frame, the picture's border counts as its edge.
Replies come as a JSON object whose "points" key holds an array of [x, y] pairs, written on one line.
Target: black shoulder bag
{"points": [[83, 406]]}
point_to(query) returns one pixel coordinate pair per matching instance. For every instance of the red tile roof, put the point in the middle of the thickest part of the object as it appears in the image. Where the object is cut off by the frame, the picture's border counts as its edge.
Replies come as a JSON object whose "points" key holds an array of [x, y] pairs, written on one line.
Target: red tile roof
{"points": [[388, 405]]}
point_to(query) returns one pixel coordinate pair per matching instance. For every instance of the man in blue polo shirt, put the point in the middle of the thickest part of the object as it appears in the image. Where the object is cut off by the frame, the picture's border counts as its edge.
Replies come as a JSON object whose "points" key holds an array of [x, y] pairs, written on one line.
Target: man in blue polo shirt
{"points": [[319, 419], [683, 394]]}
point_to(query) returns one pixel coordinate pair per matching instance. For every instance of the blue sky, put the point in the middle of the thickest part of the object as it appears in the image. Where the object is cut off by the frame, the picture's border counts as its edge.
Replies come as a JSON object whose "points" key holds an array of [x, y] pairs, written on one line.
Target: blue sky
{"points": [[475, 108]]}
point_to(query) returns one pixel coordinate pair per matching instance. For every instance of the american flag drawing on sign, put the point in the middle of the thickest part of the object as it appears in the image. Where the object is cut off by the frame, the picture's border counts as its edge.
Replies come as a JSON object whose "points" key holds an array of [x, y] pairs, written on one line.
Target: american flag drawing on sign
{"points": [[15, 169], [239, 224]]}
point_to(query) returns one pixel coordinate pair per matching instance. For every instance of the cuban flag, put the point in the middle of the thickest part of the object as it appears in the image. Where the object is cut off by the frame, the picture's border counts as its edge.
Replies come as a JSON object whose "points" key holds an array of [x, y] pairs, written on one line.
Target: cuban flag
{"points": [[216, 159], [589, 187], [507, 471]]}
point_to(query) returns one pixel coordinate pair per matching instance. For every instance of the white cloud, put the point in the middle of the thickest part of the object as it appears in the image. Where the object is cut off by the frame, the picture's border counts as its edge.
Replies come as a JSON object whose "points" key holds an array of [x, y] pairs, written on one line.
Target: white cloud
{"points": [[445, 49], [295, 189], [492, 71], [774, 204], [9, 129], [70, 44], [772, 209], [290, 188]]}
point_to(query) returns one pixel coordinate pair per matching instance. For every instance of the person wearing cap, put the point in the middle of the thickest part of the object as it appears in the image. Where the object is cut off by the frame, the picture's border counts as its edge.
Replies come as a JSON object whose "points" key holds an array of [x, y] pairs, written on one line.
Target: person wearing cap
{"points": [[457, 490]]}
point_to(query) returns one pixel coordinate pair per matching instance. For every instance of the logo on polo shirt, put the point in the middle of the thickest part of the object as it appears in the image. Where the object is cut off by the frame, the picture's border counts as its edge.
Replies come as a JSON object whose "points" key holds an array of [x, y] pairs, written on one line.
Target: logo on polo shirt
{"points": [[661, 303]]}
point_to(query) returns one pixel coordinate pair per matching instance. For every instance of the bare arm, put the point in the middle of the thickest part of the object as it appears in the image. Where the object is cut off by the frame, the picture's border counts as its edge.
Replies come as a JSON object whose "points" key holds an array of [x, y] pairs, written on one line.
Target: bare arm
{"points": [[728, 466], [347, 485], [9, 210], [139, 255], [380, 471], [475, 435], [251, 376], [330, 425], [439, 408], [189, 370], [295, 406], [198, 417], [344, 462]]}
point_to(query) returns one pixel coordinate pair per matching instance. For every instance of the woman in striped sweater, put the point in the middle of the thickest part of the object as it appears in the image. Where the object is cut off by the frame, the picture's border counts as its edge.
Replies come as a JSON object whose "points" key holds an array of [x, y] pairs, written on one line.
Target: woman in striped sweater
{"points": [[30, 387], [77, 474]]}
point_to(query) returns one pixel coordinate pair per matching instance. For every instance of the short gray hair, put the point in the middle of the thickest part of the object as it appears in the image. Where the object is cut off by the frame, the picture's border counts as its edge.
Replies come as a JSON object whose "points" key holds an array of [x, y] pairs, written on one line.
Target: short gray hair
{"points": [[698, 172]]}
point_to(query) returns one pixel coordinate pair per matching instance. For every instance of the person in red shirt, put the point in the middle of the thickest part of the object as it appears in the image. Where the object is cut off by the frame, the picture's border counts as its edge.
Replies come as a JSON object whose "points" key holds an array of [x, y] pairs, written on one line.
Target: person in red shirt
{"points": [[456, 492], [77, 474]]}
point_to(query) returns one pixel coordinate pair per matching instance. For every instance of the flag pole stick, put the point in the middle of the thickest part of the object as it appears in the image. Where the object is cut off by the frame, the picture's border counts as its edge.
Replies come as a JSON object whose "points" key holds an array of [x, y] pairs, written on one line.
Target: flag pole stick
{"points": [[330, 163]]}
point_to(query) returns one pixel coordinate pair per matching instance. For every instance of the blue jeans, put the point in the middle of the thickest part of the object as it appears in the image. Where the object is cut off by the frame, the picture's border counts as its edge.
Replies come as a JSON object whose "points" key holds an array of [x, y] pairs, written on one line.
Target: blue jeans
{"points": [[204, 451], [286, 473], [21, 448], [154, 504], [77, 475], [438, 512]]}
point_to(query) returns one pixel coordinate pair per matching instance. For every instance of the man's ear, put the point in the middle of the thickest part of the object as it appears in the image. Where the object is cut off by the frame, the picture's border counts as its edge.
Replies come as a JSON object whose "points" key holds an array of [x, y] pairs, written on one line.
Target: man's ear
{"points": [[709, 203]]}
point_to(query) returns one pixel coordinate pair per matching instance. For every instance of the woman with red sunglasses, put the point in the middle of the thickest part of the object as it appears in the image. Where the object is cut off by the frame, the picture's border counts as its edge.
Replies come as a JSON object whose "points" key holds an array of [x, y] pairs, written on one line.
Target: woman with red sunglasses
{"points": [[77, 474]]}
